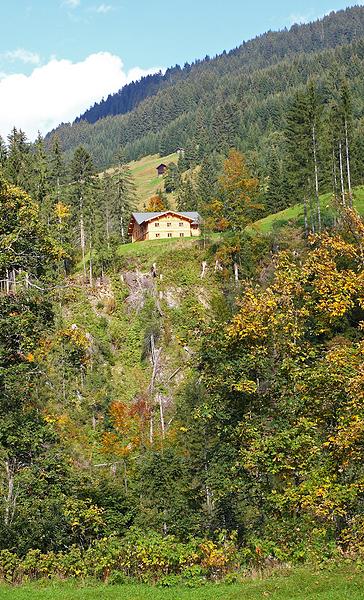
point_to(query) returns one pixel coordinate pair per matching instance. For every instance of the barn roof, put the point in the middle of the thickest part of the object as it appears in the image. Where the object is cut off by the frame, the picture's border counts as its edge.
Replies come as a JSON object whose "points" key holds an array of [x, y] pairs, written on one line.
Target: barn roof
{"points": [[142, 217]]}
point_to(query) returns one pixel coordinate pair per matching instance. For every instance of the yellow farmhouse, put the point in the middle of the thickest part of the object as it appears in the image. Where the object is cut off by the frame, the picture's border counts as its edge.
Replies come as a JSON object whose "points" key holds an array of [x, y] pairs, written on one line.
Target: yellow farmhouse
{"points": [[159, 225]]}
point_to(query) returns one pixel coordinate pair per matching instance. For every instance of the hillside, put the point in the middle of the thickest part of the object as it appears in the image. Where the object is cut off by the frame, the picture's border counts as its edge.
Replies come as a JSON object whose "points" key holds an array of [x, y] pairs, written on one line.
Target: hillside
{"points": [[188, 411], [295, 214], [178, 412], [145, 177], [236, 99]]}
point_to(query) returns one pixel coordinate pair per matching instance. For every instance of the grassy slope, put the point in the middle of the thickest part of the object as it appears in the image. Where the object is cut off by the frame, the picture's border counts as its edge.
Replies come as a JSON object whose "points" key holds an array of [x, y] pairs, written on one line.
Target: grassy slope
{"points": [[302, 584], [147, 182], [296, 212]]}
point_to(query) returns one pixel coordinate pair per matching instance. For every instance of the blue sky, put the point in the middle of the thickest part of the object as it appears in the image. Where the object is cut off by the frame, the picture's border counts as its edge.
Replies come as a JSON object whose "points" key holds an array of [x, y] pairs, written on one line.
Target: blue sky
{"points": [[66, 42], [145, 32]]}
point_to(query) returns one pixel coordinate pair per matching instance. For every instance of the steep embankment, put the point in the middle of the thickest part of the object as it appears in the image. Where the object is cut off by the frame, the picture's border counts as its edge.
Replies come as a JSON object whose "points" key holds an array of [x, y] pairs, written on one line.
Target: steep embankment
{"points": [[143, 330]]}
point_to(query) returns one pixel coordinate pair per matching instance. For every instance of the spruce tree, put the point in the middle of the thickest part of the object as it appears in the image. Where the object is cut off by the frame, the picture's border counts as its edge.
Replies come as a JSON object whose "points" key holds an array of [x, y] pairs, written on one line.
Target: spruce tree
{"points": [[123, 196], [19, 161], [81, 185], [40, 184], [3, 153]]}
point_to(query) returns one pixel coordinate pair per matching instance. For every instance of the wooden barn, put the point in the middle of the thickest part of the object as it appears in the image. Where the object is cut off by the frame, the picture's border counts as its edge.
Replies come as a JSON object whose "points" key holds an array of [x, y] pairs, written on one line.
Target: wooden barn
{"points": [[161, 169], [159, 225]]}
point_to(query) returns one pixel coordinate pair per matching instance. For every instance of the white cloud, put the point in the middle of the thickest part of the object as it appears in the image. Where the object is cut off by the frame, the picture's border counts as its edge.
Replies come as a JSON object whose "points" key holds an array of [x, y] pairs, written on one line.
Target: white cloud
{"points": [[300, 18], [20, 54], [60, 91], [103, 8], [72, 3]]}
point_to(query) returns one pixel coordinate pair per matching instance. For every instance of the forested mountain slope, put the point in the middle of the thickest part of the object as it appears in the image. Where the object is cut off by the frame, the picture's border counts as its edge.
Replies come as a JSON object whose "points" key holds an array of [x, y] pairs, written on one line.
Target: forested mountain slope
{"points": [[237, 99], [261, 51]]}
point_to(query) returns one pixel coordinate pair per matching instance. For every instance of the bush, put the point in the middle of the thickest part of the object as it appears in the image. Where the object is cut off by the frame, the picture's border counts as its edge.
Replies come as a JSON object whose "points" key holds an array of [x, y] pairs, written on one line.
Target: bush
{"points": [[140, 556]]}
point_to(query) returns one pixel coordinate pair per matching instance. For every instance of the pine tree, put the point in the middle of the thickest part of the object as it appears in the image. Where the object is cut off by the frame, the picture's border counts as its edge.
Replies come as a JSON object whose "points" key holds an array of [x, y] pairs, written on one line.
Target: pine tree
{"points": [[186, 196], [301, 145], [277, 195], [57, 168], [314, 112], [82, 170], [3, 153], [123, 195], [346, 116], [207, 180], [40, 184], [18, 165], [172, 178]]}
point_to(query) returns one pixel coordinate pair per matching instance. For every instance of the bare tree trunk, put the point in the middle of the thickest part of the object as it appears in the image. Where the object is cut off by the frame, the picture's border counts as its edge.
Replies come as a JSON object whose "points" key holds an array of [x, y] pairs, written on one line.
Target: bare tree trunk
{"points": [[90, 262], [312, 219], [348, 164], [236, 272], [10, 500], [334, 175], [122, 228], [342, 175], [316, 178], [107, 227], [305, 216], [151, 428], [82, 241], [161, 415], [155, 359], [209, 503]]}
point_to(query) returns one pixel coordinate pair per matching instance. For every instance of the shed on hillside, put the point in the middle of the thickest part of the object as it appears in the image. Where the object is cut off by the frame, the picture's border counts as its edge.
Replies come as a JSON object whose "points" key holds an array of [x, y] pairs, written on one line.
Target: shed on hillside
{"points": [[161, 169]]}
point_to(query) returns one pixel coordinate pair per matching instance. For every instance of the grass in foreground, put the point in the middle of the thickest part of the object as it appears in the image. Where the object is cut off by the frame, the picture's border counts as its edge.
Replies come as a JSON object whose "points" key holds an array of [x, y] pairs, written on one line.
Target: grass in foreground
{"points": [[300, 584]]}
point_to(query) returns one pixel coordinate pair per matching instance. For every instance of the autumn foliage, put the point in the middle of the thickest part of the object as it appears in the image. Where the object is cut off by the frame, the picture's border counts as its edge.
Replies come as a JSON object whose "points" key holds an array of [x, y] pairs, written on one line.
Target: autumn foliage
{"points": [[237, 203], [155, 204], [292, 360]]}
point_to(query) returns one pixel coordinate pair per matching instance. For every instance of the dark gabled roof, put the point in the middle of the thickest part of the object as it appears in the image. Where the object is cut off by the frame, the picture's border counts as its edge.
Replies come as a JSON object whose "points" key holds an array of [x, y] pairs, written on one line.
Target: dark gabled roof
{"points": [[161, 165], [142, 217]]}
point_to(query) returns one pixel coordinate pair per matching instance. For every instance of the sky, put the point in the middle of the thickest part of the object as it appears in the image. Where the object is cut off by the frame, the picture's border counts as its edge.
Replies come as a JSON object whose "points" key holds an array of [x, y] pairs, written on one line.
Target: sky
{"points": [[58, 57]]}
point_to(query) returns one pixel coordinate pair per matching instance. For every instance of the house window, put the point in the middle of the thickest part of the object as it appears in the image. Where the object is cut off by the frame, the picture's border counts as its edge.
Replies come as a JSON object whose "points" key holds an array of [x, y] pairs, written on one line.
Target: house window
{"points": [[169, 234], [181, 235], [157, 235], [169, 224], [156, 224], [181, 224]]}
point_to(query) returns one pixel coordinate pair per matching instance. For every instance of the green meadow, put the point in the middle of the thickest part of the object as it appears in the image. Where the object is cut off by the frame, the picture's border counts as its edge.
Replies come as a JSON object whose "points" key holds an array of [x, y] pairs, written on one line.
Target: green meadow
{"points": [[295, 212], [300, 584]]}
